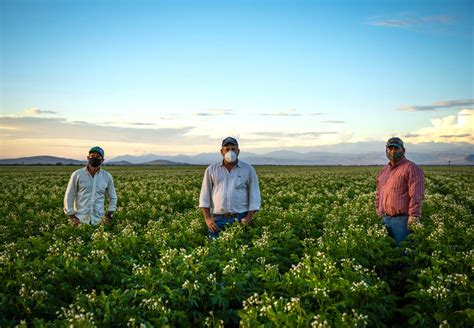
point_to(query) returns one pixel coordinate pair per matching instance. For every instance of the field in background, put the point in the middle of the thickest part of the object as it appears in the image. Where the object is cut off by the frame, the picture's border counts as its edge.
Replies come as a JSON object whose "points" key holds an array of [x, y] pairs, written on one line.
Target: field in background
{"points": [[316, 255]]}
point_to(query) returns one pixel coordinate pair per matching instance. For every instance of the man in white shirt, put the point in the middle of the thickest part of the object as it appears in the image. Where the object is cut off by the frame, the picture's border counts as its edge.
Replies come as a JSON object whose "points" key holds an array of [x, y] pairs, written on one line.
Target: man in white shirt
{"points": [[229, 191], [86, 190]]}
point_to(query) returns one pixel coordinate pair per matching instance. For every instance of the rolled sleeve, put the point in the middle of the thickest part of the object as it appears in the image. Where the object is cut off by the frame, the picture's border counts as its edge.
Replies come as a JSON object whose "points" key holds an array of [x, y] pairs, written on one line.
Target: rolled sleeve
{"points": [[206, 190], [254, 191], [71, 194], [111, 195], [416, 191]]}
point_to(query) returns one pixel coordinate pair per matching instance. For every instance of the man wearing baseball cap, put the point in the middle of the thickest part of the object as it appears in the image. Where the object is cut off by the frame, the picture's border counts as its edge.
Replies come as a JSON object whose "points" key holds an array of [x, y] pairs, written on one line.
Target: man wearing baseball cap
{"points": [[400, 191], [86, 191], [229, 191]]}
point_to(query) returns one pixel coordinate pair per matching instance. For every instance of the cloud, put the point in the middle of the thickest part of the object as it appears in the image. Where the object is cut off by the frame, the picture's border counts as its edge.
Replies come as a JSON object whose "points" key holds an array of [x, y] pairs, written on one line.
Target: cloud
{"points": [[452, 128], [289, 112], [455, 135], [440, 105], [36, 111], [216, 112], [15, 128], [141, 124], [338, 122], [294, 134], [408, 21]]}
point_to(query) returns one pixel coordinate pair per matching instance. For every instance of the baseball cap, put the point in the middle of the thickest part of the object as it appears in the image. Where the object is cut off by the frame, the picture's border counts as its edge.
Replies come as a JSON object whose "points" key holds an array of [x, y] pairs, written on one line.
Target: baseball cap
{"points": [[395, 142], [98, 150], [230, 140]]}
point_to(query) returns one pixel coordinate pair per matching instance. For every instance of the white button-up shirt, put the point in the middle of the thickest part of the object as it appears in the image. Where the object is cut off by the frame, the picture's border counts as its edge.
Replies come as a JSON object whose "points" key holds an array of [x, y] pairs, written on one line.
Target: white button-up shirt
{"points": [[236, 191], [85, 195]]}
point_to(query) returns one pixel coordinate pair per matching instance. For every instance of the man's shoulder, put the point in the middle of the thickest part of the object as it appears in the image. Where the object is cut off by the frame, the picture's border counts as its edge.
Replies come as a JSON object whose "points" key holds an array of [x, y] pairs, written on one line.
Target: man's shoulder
{"points": [[79, 171], [245, 165], [384, 168], [411, 164], [214, 165], [105, 173]]}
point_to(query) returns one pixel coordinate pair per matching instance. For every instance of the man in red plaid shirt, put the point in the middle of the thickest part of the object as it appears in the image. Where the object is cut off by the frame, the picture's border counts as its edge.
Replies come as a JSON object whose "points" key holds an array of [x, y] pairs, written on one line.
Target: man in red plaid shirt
{"points": [[400, 191]]}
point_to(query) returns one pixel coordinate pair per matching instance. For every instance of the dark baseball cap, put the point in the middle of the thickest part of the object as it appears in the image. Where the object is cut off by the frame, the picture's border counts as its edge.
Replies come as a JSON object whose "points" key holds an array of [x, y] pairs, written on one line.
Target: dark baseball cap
{"points": [[98, 150], [395, 142], [230, 140]]}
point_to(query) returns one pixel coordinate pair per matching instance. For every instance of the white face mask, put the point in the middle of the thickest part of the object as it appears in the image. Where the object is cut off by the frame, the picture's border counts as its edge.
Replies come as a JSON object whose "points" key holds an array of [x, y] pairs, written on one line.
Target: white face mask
{"points": [[230, 156]]}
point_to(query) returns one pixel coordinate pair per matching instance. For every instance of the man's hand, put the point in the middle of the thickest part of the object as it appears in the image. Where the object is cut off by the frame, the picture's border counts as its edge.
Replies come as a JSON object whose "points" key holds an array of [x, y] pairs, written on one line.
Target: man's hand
{"points": [[211, 224], [74, 219], [248, 218], [108, 217], [413, 220]]}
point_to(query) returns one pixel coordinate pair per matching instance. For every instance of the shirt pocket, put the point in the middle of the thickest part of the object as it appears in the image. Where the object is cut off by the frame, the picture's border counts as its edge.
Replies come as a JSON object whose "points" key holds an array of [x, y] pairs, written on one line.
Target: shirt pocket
{"points": [[100, 187], [241, 182], [399, 184]]}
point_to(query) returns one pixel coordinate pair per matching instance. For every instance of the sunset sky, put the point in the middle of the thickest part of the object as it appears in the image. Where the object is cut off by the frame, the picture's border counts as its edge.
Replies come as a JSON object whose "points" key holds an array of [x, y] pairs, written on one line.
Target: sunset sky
{"points": [[170, 77]]}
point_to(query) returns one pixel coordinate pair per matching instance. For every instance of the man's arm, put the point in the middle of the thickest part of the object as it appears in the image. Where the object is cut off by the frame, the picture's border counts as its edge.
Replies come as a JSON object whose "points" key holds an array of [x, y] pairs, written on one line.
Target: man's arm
{"points": [[69, 197], [112, 196], [205, 200], [416, 193], [377, 195], [210, 221], [254, 197]]}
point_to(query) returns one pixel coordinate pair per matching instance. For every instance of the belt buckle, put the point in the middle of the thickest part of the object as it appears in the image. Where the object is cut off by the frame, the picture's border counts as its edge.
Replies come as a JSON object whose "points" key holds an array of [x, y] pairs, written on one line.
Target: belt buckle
{"points": [[229, 215]]}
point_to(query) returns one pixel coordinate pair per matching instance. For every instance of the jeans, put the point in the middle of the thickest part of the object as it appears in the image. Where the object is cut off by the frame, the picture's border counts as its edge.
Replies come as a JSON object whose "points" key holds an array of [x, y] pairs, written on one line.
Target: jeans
{"points": [[222, 221], [397, 227]]}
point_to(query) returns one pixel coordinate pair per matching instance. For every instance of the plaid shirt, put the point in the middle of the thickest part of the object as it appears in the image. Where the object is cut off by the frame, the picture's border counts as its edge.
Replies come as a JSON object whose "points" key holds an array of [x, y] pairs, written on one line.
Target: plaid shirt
{"points": [[400, 189]]}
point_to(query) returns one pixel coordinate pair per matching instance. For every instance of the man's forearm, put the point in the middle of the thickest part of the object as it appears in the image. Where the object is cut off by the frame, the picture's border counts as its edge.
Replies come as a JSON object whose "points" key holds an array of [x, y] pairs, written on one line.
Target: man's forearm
{"points": [[206, 211]]}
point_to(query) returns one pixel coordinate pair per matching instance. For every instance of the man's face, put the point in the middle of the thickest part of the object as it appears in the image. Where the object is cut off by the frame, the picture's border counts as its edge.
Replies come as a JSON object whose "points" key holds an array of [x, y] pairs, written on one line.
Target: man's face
{"points": [[95, 155], [394, 152], [229, 147]]}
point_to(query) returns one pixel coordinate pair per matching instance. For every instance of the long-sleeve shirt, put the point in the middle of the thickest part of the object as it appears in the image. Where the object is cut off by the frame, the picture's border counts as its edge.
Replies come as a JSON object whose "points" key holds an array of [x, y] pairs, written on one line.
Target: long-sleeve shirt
{"points": [[236, 191], [85, 195], [400, 189]]}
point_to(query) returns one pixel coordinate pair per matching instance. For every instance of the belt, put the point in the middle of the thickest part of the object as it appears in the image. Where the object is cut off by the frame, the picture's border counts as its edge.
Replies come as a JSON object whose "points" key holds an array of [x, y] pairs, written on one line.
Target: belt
{"points": [[394, 216], [228, 215]]}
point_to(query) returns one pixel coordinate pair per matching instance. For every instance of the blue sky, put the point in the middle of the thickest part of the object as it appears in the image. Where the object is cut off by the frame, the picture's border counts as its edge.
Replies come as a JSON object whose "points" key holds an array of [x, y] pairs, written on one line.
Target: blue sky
{"points": [[177, 76]]}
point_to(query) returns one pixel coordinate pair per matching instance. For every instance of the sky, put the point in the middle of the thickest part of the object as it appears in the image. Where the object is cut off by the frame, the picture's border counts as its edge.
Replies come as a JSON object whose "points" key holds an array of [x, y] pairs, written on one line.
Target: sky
{"points": [[176, 77]]}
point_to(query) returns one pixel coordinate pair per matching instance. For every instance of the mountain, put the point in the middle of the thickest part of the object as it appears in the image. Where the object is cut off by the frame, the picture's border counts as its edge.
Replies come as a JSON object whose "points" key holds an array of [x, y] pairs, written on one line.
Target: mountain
{"points": [[118, 163], [470, 158], [164, 162], [360, 153], [41, 160]]}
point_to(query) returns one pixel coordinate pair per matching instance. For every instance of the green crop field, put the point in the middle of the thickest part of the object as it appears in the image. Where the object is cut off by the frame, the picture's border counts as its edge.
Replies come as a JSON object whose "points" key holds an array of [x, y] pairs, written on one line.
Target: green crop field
{"points": [[316, 254]]}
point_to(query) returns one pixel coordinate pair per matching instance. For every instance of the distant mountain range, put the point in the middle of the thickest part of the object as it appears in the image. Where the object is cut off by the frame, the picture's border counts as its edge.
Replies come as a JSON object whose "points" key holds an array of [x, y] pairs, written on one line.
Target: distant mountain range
{"points": [[369, 153], [41, 160], [52, 160]]}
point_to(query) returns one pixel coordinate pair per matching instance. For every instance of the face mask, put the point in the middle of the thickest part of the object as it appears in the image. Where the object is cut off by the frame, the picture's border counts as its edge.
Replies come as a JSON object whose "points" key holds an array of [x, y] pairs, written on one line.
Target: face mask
{"points": [[395, 155], [95, 162], [230, 156]]}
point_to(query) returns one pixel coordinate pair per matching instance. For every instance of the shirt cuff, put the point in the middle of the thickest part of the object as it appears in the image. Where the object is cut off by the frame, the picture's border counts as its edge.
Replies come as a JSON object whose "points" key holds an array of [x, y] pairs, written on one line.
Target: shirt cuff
{"points": [[69, 212]]}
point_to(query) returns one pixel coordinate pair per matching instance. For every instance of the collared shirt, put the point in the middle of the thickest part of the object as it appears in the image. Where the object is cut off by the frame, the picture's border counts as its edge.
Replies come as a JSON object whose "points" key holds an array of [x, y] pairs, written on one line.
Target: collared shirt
{"points": [[236, 191], [85, 195], [400, 189]]}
